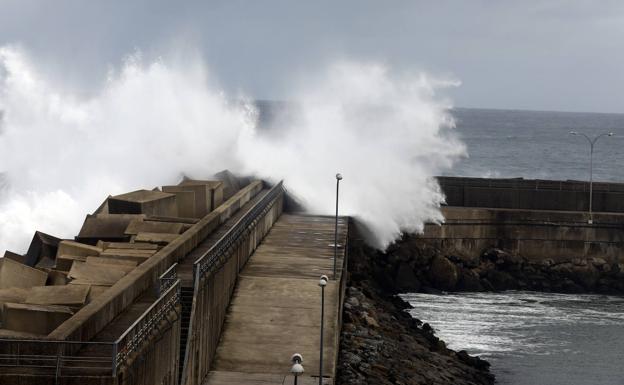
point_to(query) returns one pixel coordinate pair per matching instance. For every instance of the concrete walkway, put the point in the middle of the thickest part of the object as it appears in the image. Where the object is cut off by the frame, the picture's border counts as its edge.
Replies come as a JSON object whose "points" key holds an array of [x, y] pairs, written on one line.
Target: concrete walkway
{"points": [[275, 311]]}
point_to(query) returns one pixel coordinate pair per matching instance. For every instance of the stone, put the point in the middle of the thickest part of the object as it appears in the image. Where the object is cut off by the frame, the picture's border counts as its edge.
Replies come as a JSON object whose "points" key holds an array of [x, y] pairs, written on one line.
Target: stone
{"points": [[96, 274], [15, 274], [443, 273], [405, 279], [67, 247], [136, 227], [69, 295], [42, 246], [469, 281], [106, 227], [146, 202], [501, 280], [37, 319]]}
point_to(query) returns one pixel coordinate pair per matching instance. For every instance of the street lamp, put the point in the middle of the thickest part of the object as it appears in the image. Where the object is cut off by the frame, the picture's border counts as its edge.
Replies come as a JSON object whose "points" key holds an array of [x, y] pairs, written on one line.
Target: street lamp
{"points": [[338, 179], [297, 368], [592, 142], [322, 283]]}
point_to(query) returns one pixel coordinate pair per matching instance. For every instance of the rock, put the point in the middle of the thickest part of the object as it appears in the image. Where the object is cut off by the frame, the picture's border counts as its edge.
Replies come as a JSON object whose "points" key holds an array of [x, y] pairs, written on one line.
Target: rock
{"points": [[443, 273], [406, 279], [585, 275], [353, 301], [469, 281], [501, 280], [370, 321]]}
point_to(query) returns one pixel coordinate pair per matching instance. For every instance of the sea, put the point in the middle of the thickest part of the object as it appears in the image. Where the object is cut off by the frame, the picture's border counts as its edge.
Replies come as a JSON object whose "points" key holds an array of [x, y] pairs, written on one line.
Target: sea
{"points": [[535, 338]]}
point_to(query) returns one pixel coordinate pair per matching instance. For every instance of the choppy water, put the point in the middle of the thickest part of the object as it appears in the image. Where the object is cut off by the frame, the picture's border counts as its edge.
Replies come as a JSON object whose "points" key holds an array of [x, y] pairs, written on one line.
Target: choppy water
{"points": [[533, 338], [536, 144]]}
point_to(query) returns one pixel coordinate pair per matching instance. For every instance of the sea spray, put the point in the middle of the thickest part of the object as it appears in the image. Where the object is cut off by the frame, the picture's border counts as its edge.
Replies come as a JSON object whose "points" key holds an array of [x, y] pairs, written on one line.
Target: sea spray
{"points": [[149, 123], [387, 134]]}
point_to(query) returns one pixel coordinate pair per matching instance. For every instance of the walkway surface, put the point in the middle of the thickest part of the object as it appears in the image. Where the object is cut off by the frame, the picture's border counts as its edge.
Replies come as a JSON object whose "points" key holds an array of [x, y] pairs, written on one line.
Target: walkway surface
{"points": [[275, 310]]}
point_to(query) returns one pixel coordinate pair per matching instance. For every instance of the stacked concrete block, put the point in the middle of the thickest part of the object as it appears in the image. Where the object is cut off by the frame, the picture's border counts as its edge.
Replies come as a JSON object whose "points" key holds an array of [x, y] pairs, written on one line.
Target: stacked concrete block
{"points": [[36, 319], [16, 257], [136, 227], [67, 295], [96, 274], [185, 200], [208, 194], [42, 246], [161, 239], [15, 274], [151, 203], [106, 227]]}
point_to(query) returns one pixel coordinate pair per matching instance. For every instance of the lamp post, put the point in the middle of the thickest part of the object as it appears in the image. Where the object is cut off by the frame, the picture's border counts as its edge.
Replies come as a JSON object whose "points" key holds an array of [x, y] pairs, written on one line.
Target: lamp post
{"points": [[322, 283], [297, 368], [338, 179], [592, 142]]}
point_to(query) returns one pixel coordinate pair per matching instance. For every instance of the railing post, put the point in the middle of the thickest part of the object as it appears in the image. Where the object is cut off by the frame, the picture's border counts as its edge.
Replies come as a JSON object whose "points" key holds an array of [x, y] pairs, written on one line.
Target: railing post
{"points": [[114, 359]]}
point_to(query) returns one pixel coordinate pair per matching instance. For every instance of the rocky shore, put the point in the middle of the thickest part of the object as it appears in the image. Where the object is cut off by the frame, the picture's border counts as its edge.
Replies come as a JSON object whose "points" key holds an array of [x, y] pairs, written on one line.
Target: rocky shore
{"points": [[382, 344], [412, 265]]}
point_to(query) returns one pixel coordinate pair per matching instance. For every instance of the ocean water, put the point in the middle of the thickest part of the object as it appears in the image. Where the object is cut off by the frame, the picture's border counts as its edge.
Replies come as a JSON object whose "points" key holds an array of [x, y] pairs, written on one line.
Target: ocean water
{"points": [[534, 144], [533, 338]]}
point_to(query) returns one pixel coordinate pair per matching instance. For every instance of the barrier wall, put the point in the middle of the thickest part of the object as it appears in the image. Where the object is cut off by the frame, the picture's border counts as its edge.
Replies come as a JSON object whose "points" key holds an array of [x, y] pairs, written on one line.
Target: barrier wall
{"points": [[532, 194], [536, 235]]}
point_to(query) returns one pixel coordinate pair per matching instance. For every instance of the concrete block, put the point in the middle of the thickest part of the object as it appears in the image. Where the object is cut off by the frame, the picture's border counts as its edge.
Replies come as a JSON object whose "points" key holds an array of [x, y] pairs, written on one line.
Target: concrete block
{"points": [[68, 295], [15, 256], [6, 333], [157, 238], [123, 255], [110, 261], [42, 245], [208, 194], [136, 227], [231, 184], [75, 248], [96, 274], [65, 262], [57, 277], [126, 245], [144, 202], [14, 295], [15, 274], [185, 200], [94, 291], [37, 319], [107, 227], [123, 265], [46, 264]]}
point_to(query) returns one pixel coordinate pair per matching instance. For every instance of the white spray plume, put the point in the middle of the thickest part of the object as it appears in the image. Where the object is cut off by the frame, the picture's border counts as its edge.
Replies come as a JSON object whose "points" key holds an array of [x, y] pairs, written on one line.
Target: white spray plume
{"points": [[62, 155], [387, 134]]}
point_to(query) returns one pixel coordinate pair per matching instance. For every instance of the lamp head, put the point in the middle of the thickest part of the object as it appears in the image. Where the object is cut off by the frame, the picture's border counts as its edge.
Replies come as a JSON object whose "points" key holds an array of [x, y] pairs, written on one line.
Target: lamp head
{"points": [[323, 281], [573, 133], [297, 369], [611, 134], [339, 176], [296, 358]]}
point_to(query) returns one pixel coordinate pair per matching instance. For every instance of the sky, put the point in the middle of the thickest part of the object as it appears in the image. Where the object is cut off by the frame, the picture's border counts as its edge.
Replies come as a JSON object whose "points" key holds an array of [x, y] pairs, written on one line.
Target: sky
{"points": [[539, 55]]}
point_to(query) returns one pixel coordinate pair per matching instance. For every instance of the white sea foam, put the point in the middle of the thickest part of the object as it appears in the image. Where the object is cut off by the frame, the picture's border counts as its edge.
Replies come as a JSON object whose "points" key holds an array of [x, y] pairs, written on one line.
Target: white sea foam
{"points": [[150, 122]]}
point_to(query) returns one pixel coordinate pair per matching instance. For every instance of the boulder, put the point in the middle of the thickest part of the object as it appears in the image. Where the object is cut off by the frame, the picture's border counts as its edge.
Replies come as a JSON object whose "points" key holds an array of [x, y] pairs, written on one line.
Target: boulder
{"points": [[406, 279], [469, 281], [443, 274]]}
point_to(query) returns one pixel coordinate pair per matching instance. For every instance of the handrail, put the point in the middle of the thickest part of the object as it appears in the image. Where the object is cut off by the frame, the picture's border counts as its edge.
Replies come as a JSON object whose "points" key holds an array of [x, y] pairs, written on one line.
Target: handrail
{"points": [[208, 261], [138, 332], [166, 279], [52, 354]]}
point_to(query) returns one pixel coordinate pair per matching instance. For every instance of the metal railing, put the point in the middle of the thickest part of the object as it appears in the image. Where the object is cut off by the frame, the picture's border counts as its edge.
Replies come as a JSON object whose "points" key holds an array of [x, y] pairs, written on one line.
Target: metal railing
{"points": [[213, 257], [92, 358], [210, 306], [166, 279]]}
